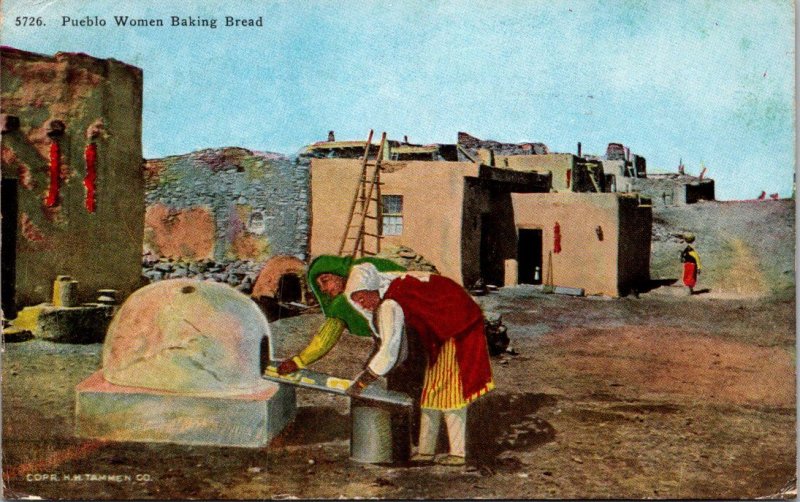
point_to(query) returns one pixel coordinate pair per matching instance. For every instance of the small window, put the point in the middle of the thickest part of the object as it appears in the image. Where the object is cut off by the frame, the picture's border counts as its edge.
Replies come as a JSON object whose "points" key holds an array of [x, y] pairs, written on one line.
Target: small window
{"points": [[256, 223], [392, 214]]}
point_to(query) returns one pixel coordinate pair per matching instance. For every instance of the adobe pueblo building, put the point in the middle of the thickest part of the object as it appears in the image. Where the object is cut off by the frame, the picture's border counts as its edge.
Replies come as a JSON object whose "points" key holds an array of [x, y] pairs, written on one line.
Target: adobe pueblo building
{"points": [[72, 187], [506, 214]]}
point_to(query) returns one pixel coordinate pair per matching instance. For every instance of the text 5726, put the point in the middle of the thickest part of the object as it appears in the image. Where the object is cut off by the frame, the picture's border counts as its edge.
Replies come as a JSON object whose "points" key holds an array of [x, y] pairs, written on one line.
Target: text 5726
{"points": [[28, 21]]}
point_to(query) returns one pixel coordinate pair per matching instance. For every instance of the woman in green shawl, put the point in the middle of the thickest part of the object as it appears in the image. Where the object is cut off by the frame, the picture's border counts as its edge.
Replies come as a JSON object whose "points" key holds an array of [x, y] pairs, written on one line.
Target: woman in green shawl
{"points": [[327, 277]]}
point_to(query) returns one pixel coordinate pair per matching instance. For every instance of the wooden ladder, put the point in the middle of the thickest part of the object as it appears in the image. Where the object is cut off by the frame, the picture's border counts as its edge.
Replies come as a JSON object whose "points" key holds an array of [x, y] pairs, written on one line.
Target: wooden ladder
{"points": [[368, 191]]}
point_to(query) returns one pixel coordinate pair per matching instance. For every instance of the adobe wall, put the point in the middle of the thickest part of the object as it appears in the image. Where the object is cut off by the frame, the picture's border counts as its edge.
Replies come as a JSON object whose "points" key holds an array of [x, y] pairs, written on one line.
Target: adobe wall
{"points": [[475, 206], [489, 236], [226, 204], [433, 201], [100, 249], [556, 163], [585, 261]]}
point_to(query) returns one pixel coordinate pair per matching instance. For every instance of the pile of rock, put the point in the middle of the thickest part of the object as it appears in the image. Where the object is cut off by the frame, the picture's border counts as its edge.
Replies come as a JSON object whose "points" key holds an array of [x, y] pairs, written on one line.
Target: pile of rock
{"points": [[408, 258], [240, 274], [662, 232]]}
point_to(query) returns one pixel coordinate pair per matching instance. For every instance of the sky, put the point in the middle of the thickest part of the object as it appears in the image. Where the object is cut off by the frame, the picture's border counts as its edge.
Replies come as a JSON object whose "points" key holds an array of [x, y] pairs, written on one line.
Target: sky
{"points": [[708, 82]]}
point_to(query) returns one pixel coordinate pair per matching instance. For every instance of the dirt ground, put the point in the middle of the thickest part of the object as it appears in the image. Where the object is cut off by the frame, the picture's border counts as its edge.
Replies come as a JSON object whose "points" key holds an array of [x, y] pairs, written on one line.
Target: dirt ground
{"points": [[663, 396]]}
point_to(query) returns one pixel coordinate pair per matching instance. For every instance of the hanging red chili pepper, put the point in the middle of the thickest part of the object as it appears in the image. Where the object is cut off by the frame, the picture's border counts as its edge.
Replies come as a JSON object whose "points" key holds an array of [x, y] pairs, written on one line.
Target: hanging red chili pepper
{"points": [[556, 238], [90, 154], [55, 173]]}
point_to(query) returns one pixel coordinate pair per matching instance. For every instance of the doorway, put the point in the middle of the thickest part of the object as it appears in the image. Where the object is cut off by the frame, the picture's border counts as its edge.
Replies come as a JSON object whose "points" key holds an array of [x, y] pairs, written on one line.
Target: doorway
{"points": [[529, 256], [286, 302], [491, 250], [8, 211]]}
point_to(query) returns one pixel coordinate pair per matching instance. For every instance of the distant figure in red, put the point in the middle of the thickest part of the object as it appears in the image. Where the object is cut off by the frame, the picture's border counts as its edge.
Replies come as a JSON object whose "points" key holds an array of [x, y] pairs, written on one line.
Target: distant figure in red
{"points": [[449, 325], [691, 263]]}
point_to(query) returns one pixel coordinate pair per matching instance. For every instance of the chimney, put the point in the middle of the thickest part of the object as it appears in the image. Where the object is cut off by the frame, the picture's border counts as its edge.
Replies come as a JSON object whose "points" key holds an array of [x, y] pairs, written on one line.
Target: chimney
{"points": [[331, 137], [405, 139], [579, 148]]}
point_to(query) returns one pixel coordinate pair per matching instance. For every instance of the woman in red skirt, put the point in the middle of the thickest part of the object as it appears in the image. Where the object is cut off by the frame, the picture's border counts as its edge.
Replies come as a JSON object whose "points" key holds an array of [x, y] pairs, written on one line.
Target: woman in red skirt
{"points": [[691, 263], [447, 322]]}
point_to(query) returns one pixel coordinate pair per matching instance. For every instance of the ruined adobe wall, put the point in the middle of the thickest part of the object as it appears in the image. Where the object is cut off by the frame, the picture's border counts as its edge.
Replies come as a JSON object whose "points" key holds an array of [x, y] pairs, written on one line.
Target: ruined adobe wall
{"points": [[556, 163], [226, 205], [101, 249], [620, 170], [674, 189], [472, 145]]}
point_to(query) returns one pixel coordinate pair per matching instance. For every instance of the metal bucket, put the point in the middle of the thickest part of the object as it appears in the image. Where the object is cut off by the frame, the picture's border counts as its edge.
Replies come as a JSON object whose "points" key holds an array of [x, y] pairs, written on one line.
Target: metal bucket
{"points": [[378, 434], [65, 291]]}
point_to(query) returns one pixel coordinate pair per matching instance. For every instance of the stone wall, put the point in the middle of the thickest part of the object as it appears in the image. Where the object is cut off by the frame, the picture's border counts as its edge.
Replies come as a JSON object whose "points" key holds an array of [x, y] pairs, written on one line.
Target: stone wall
{"points": [[226, 205], [472, 144], [58, 113]]}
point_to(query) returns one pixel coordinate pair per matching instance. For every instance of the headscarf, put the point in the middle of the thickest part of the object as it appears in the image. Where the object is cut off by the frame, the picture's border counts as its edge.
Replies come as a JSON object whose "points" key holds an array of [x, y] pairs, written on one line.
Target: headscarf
{"points": [[338, 307], [367, 277]]}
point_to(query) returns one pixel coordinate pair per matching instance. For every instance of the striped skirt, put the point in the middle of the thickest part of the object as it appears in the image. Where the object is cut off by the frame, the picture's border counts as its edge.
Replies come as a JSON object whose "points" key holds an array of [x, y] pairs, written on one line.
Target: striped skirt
{"points": [[442, 389]]}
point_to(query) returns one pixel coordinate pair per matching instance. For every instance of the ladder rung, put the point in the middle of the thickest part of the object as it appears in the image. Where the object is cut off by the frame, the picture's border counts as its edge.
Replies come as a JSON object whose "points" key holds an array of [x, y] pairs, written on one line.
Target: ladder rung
{"points": [[369, 178]]}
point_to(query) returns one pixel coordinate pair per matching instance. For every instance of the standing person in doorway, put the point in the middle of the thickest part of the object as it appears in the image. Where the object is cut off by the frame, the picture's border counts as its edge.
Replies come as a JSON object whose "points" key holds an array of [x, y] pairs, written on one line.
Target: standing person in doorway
{"points": [[691, 263]]}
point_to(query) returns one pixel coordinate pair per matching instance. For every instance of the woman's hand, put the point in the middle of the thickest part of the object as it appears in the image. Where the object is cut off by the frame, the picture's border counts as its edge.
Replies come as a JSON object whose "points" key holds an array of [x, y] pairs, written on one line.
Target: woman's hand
{"points": [[361, 382], [287, 366]]}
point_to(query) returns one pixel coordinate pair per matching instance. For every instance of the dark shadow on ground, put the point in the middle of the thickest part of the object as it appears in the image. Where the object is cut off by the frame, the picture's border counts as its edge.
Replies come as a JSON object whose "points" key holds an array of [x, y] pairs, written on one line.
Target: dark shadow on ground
{"points": [[655, 284], [701, 291], [499, 423], [314, 424], [16, 336]]}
